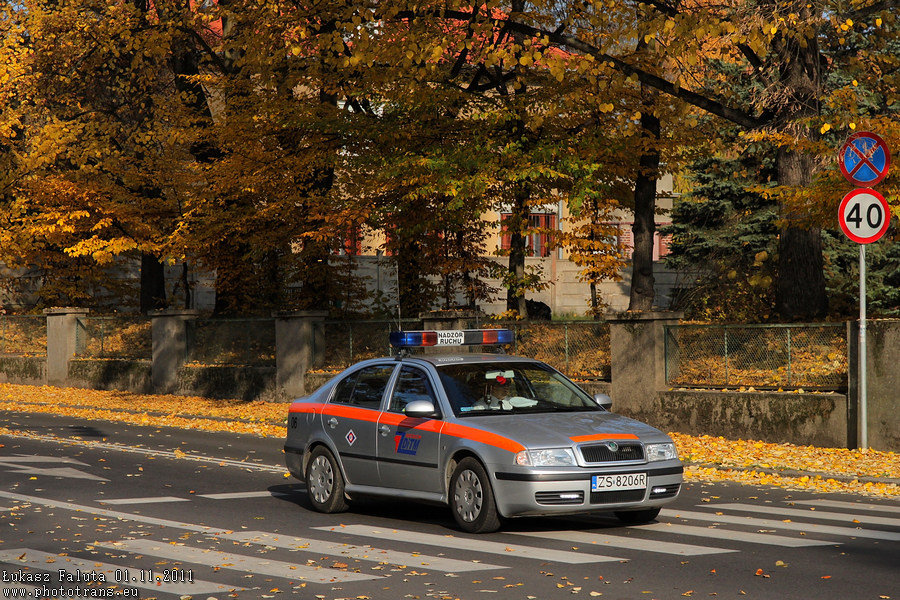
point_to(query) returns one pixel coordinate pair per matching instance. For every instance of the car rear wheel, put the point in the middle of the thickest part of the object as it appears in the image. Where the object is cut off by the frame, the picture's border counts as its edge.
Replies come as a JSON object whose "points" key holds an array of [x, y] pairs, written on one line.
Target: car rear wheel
{"points": [[634, 517], [472, 498], [324, 482]]}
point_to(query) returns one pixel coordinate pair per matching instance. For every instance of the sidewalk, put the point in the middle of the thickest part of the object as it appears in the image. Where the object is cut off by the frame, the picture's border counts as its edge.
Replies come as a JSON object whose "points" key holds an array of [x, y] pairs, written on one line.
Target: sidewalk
{"points": [[823, 470]]}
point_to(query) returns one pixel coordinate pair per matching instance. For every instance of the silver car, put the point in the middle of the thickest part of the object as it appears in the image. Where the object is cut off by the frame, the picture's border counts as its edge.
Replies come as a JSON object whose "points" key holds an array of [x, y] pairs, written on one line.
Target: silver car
{"points": [[492, 436]]}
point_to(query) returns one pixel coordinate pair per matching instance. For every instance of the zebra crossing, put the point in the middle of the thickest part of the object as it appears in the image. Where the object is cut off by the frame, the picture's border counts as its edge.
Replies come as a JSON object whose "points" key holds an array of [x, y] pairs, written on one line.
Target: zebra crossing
{"points": [[348, 553]]}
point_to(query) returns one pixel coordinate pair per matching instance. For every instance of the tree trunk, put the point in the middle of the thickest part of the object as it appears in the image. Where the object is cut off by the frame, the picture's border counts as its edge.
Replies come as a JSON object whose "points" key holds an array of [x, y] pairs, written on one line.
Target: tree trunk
{"points": [[800, 288], [515, 227], [642, 280], [153, 284]]}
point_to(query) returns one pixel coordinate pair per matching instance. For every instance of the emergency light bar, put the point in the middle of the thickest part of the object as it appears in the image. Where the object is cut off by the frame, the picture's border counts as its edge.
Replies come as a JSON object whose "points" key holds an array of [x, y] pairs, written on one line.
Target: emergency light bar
{"points": [[451, 337]]}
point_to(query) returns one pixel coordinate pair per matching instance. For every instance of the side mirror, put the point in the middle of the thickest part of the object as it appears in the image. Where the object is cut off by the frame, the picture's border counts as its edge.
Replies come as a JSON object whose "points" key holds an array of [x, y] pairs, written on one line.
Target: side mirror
{"points": [[420, 409], [604, 401]]}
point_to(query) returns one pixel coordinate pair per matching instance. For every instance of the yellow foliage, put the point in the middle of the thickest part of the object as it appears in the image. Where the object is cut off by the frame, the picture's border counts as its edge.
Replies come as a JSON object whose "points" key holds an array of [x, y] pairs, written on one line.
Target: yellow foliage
{"points": [[708, 458]]}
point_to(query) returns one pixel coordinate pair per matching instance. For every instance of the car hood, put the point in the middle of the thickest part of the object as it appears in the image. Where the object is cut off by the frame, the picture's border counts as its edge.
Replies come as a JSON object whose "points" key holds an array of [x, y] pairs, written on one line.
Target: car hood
{"points": [[558, 429]]}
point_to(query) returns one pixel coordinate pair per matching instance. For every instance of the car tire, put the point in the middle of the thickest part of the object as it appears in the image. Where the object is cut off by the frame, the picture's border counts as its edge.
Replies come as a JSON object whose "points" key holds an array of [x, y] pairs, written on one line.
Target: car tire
{"points": [[472, 498], [324, 482], [635, 517]]}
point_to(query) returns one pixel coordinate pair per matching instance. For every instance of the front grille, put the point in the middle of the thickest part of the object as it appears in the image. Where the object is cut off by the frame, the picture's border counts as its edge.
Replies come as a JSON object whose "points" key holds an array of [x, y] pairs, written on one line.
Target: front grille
{"points": [[617, 497], [600, 453], [559, 498], [667, 491]]}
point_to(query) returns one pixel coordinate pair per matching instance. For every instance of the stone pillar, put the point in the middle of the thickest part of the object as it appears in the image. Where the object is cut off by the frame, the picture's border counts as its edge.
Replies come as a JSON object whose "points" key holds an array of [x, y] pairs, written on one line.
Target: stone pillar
{"points": [[299, 346], [637, 348], [63, 342], [171, 334]]}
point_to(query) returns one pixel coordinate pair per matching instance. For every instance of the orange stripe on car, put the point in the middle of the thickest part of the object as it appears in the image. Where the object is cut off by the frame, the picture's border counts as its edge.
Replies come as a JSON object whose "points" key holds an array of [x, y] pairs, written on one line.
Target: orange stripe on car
{"points": [[604, 436], [484, 437], [372, 416]]}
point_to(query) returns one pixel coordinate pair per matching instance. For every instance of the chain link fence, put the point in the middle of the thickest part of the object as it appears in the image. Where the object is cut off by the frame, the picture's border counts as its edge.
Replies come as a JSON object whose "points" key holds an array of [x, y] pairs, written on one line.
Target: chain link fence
{"points": [[243, 342], [578, 348], [812, 356], [348, 342], [117, 336], [23, 335]]}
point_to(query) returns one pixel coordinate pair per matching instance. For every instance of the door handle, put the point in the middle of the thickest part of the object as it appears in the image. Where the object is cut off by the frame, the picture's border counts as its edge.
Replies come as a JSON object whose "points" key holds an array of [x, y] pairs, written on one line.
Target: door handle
{"points": [[332, 422], [385, 430]]}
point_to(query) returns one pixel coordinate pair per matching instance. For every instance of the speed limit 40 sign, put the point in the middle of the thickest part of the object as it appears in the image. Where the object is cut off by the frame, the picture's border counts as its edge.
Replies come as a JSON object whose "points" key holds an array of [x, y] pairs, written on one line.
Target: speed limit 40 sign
{"points": [[864, 215]]}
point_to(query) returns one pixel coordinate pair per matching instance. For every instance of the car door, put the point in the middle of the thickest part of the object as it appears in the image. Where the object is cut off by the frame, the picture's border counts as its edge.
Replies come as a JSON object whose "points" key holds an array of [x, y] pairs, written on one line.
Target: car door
{"points": [[350, 419], [408, 448]]}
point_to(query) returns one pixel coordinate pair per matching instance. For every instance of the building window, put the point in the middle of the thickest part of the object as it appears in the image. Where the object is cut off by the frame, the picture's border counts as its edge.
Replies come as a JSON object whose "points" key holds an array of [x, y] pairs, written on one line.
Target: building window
{"points": [[537, 243], [350, 244], [625, 240]]}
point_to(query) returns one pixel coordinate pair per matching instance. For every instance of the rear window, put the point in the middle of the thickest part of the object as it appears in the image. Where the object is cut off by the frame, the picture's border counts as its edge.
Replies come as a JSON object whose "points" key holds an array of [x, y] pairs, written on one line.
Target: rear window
{"points": [[364, 388]]}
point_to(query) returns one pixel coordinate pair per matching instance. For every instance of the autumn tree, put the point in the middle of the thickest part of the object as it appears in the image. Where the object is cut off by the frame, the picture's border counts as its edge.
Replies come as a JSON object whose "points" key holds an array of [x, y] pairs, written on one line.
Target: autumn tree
{"points": [[789, 48], [89, 103], [724, 238]]}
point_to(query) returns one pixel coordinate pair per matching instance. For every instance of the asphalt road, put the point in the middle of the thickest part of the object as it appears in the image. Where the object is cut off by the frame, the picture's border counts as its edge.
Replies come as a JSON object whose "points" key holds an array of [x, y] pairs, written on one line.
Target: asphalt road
{"points": [[173, 514]]}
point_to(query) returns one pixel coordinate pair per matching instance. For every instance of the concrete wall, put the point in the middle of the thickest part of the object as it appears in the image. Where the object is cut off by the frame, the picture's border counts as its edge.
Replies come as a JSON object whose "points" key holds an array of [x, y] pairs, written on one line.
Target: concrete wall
{"points": [[639, 390], [817, 419], [883, 383]]}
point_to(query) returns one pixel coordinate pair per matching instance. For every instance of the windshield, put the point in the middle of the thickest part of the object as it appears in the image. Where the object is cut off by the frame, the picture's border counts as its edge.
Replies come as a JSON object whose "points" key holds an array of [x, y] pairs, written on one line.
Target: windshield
{"points": [[497, 387]]}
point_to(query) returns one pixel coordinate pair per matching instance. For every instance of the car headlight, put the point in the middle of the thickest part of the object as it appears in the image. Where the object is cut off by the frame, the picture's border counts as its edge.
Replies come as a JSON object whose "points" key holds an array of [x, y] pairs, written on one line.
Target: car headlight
{"points": [[552, 457], [665, 451]]}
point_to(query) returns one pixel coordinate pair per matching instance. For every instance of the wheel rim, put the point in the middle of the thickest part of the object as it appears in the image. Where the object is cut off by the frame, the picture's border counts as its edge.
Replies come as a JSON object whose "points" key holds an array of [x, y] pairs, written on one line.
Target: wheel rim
{"points": [[321, 479], [468, 496]]}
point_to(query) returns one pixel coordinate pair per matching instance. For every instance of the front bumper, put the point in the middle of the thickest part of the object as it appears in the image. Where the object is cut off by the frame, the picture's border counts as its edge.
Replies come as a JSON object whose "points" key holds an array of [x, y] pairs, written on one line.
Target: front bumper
{"points": [[533, 492]]}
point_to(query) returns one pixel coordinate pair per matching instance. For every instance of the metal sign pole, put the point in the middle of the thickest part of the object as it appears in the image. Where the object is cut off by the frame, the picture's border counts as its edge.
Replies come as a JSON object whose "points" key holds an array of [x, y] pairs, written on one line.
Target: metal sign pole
{"points": [[865, 216], [863, 418]]}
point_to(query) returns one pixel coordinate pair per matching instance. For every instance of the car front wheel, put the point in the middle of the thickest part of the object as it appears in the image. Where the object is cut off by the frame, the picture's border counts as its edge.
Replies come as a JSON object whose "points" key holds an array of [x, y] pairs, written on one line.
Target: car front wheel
{"points": [[472, 498], [324, 482]]}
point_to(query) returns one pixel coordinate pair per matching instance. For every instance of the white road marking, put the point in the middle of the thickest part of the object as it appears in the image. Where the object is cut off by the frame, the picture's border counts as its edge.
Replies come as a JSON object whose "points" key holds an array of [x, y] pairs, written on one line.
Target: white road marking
{"points": [[785, 525], [30, 458], [622, 541], [887, 508], [734, 535], [24, 465], [369, 553], [146, 500], [37, 559], [241, 495], [238, 562], [113, 514], [471, 544], [854, 518], [178, 455]]}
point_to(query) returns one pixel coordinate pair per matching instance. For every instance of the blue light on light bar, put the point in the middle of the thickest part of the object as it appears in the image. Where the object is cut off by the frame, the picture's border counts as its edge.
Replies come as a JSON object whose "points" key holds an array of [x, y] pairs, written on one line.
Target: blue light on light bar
{"points": [[451, 337]]}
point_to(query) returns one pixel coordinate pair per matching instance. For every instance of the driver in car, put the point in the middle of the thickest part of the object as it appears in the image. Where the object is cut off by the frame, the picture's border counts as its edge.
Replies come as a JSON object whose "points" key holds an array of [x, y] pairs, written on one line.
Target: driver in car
{"points": [[496, 392]]}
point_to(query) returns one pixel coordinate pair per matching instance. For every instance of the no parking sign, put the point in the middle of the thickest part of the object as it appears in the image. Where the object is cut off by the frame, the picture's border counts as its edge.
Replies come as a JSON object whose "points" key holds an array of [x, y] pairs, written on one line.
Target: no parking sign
{"points": [[864, 159]]}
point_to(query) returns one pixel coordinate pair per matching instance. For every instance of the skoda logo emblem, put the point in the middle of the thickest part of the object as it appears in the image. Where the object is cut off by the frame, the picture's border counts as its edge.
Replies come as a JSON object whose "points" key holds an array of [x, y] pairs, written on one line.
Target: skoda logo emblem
{"points": [[612, 446]]}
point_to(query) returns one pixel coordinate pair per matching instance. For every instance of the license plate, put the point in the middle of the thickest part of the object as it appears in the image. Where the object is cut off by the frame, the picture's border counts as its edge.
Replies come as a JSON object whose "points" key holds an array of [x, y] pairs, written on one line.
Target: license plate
{"points": [[615, 483]]}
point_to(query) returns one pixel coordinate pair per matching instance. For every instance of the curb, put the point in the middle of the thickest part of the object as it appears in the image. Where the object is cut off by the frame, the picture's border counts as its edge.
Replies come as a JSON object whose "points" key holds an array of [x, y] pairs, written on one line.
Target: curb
{"points": [[796, 474]]}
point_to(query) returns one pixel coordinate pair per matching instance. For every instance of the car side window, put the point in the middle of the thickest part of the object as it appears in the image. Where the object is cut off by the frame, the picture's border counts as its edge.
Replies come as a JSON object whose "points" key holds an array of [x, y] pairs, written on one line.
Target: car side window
{"points": [[365, 388], [412, 384]]}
